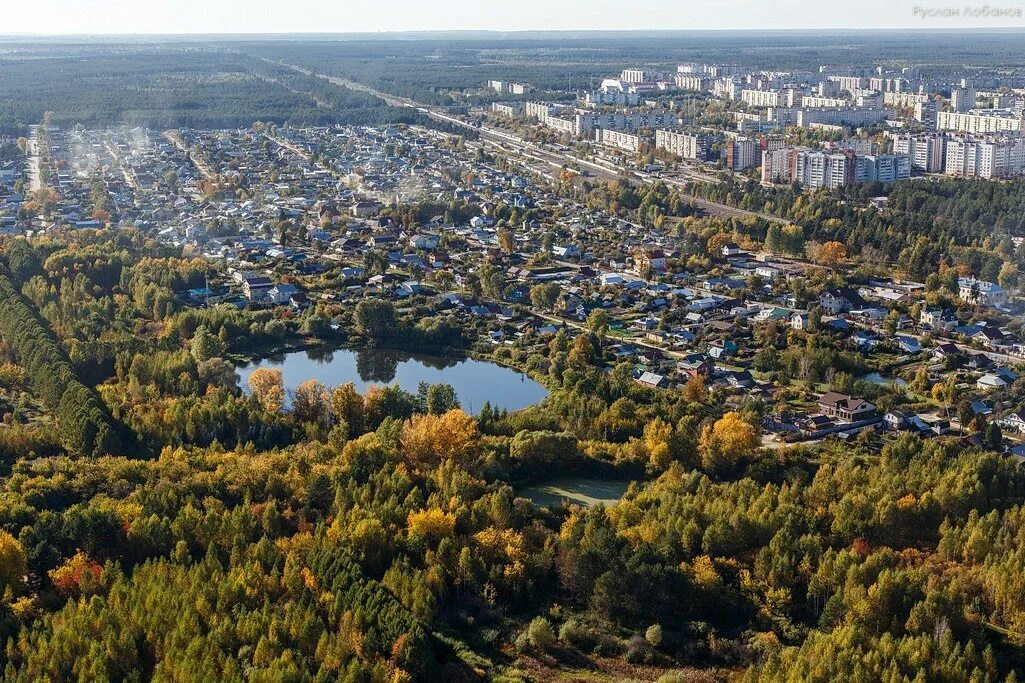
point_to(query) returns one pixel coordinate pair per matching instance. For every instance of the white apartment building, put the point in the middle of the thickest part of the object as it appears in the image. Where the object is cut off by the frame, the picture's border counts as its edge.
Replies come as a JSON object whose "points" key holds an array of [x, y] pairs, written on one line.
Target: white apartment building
{"points": [[690, 81], [507, 108], [883, 168], [741, 153], [760, 98], [629, 142], [840, 116], [925, 150], [776, 165], [849, 83], [904, 99], [819, 102], [984, 157], [815, 169], [685, 145], [615, 99], [980, 121], [635, 76]]}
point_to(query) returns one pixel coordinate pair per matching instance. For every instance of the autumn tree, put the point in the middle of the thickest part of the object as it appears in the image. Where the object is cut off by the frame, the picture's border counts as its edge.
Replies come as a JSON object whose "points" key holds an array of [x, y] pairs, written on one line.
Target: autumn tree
{"points": [[12, 562], [347, 406], [429, 439], [506, 240], [268, 387], [725, 442], [831, 254], [694, 390], [309, 402]]}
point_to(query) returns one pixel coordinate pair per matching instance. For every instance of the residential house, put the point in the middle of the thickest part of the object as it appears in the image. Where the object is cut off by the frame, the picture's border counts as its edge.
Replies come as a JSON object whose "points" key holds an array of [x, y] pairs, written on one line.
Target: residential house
{"points": [[845, 407]]}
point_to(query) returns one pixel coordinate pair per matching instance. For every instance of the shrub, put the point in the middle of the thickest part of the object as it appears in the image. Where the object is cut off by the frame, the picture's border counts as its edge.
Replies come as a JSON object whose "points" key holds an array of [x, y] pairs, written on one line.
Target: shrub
{"points": [[654, 635], [572, 632], [541, 634]]}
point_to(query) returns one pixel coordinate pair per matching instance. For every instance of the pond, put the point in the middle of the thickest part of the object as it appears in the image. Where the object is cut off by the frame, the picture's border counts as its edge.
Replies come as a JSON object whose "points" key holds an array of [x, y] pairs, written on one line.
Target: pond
{"points": [[877, 378], [580, 490], [474, 381]]}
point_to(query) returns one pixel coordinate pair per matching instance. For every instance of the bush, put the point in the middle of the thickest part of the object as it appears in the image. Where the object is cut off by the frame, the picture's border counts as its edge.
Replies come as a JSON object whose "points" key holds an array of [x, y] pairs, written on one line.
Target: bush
{"points": [[572, 632], [608, 646], [541, 634], [638, 651], [654, 635]]}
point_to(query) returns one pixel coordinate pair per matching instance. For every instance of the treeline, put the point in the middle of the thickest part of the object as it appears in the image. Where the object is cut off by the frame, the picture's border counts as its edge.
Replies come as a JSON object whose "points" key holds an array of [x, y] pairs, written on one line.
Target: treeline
{"points": [[961, 222], [173, 87], [83, 421]]}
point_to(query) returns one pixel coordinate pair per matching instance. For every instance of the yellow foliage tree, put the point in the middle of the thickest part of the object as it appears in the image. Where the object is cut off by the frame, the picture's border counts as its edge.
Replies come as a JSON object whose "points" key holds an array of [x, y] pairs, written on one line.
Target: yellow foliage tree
{"points": [[430, 439], [725, 442], [694, 390], [832, 253], [309, 402], [12, 562], [431, 523], [268, 387]]}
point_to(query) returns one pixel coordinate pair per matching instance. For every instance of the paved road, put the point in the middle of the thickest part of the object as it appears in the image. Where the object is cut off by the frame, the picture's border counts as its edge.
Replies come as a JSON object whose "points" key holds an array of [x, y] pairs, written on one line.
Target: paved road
{"points": [[35, 180]]}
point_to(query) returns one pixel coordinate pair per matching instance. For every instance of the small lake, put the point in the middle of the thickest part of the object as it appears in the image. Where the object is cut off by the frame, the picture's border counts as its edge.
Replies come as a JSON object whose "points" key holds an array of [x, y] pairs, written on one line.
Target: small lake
{"points": [[578, 490], [876, 378], [474, 381]]}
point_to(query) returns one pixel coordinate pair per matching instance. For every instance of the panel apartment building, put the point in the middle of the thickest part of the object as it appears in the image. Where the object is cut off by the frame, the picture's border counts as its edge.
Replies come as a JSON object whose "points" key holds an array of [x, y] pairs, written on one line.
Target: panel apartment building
{"points": [[980, 121], [685, 145], [823, 169]]}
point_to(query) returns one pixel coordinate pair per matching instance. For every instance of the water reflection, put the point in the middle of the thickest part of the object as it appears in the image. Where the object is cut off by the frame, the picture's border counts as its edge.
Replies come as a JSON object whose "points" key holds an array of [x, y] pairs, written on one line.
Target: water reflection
{"points": [[376, 367], [474, 381]]}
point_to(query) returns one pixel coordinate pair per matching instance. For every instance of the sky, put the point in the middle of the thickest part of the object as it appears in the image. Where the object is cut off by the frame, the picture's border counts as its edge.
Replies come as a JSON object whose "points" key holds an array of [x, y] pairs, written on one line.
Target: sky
{"points": [[90, 17]]}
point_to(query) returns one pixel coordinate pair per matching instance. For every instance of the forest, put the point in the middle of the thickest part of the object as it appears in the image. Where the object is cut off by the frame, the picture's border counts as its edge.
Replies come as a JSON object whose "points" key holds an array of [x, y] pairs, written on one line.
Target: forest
{"points": [[170, 86], [379, 536], [428, 69]]}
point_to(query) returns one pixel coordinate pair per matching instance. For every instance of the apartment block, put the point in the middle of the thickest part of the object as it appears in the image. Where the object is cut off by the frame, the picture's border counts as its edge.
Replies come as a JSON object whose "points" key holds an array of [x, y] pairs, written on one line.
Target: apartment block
{"points": [[980, 121], [687, 146]]}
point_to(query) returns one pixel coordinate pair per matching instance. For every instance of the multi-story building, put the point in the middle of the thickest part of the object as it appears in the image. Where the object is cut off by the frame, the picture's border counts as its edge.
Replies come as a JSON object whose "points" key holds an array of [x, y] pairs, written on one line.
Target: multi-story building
{"points": [[635, 76], [980, 121], [981, 291], [783, 116], [587, 122], [742, 152], [685, 145], [776, 167], [690, 81], [507, 108], [629, 142], [818, 102], [614, 99], [857, 145], [869, 99], [849, 83], [538, 110], [925, 112], [984, 157], [761, 98], [926, 150], [840, 116], [815, 169], [882, 168], [903, 99], [962, 99]]}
